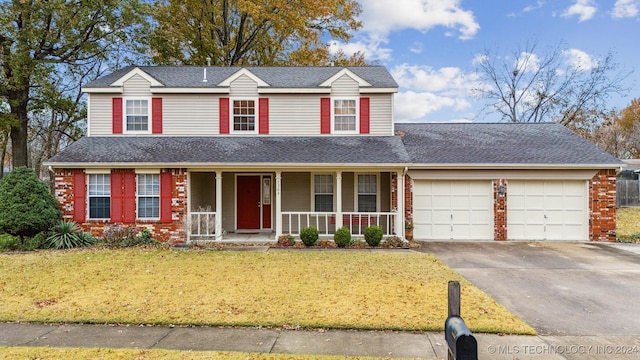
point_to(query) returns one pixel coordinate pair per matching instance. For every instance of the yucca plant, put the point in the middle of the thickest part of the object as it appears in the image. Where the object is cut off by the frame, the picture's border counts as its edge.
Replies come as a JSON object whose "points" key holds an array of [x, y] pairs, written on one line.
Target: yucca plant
{"points": [[67, 235]]}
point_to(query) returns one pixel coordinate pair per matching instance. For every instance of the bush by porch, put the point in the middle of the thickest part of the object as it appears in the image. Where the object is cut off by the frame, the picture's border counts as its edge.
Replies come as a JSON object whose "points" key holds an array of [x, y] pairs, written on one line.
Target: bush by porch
{"points": [[353, 290]]}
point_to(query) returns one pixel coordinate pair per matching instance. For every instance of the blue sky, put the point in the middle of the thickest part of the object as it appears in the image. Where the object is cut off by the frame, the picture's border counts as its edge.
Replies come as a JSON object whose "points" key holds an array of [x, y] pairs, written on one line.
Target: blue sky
{"points": [[429, 46]]}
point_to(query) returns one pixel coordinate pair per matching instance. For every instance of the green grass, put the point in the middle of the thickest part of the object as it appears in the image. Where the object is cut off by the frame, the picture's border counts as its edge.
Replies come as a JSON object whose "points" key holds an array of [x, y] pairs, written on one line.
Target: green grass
{"points": [[45, 353], [628, 223], [393, 290]]}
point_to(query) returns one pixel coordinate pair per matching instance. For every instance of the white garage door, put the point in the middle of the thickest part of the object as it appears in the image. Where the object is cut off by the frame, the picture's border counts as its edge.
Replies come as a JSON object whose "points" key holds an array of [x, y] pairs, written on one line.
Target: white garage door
{"points": [[458, 210], [547, 210]]}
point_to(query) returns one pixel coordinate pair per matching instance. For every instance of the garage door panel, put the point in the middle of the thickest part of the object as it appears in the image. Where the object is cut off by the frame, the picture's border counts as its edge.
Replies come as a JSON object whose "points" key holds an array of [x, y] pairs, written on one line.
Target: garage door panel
{"points": [[547, 210], [456, 210]]}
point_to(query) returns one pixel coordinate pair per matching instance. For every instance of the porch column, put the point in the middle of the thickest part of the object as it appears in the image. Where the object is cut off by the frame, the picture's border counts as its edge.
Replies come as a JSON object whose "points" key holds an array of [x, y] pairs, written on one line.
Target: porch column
{"points": [[278, 204], [338, 199], [218, 205], [400, 210]]}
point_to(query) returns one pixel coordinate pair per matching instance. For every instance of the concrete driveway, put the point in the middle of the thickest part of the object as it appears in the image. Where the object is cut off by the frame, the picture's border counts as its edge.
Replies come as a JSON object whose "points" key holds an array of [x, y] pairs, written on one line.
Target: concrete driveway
{"points": [[575, 289]]}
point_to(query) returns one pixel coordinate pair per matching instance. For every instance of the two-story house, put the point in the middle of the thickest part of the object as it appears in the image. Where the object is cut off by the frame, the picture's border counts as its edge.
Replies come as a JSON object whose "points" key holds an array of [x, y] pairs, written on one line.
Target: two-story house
{"points": [[194, 153]]}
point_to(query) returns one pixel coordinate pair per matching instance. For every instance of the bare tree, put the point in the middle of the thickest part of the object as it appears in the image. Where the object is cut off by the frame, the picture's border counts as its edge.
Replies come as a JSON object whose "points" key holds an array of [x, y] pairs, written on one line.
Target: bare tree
{"points": [[533, 86]]}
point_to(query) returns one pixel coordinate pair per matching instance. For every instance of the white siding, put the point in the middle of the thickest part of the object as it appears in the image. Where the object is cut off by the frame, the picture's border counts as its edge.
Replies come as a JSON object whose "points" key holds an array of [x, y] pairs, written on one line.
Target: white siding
{"points": [[100, 116], [244, 86], [294, 114], [345, 86], [195, 115], [381, 114], [137, 86]]}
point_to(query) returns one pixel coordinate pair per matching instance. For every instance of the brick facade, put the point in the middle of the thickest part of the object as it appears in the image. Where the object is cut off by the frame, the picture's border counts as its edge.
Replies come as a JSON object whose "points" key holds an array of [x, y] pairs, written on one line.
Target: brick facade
{"points": [[602, 206], [172, 232], [500, 209]]}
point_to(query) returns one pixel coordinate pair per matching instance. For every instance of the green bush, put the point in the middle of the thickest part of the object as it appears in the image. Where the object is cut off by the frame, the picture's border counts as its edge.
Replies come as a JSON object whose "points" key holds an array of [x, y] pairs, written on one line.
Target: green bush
{"points": [[125, 236], [9, 243], [373, 235], [342, 236], [26, 205], [309, 235], [67, 235]]}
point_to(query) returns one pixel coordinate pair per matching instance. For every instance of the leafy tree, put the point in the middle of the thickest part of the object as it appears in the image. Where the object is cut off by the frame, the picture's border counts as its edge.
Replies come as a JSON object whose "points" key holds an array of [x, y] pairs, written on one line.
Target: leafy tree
{"points": [[251, 32], [534, 87], [26, 205], [39, 39]]}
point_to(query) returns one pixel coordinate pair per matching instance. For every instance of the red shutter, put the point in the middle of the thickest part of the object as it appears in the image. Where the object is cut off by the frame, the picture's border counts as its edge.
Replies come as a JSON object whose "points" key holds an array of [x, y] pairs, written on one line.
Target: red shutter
{"points": [[364, 115], [79, 196], [116, 110], [325, 115], [129, 196], [224, 115], [156, 115], [166, 188], [263, 115], [116, 196]]}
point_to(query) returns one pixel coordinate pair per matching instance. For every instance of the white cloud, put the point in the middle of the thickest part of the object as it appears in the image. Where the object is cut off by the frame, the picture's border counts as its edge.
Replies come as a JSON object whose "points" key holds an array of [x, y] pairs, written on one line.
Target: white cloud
{"points": [[529, 8], [416, 48], [527, 62], [430, 90], [579, 59], [584, 9], [381, 17], [625, 9], [372, 49]]}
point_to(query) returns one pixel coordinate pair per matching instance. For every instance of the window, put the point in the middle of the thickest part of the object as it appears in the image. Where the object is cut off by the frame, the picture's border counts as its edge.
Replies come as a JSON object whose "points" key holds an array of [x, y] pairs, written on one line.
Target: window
{"points": [[367, 193], [323, 193], [344, 115], [244, 115], [148, 196], [99, 189], [137, 115]]}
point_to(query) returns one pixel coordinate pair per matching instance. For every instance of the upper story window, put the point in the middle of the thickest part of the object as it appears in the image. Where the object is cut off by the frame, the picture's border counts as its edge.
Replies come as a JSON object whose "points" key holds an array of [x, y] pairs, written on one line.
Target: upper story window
{"points": [[244, 116], [148, 196], [99, 196], [345, 115], [323, 192], [136, 114]]}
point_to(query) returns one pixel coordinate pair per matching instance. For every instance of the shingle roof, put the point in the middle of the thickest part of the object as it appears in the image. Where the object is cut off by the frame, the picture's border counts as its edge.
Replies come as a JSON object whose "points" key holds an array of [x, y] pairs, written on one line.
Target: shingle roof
{"points": [[234, 150], [277, 77], [503, 143]]}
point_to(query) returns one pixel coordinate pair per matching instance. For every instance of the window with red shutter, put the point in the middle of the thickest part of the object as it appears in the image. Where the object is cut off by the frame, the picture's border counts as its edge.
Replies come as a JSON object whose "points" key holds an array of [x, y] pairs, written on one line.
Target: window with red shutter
{"points": [[156, 115], [79, 196], [224, 115], [365, 127], [325, 116], [129, 196], [166, 189], [117, 185], [263, 117], [116, 109]]}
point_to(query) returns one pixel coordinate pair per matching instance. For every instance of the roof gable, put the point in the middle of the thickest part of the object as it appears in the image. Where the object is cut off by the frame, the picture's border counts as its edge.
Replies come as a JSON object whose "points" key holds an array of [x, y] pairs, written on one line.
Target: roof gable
{"points": [[347, 72], [136, 71], [238, 74]]}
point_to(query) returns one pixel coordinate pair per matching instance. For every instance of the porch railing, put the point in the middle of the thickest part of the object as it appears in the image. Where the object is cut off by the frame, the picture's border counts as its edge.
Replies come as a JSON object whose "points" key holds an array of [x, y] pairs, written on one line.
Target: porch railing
{"points": [[325, 222], [202, 226]]}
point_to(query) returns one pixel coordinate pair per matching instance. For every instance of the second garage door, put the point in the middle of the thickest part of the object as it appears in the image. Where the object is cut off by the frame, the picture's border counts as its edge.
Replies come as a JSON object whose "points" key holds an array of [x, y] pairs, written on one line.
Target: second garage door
{"points": [[457, 210], [547, 210]]}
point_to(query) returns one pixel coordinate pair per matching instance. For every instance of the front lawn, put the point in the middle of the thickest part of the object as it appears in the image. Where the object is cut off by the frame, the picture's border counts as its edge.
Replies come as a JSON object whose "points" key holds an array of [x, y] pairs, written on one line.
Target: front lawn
{"points": [[395, 290], [628, 224]]}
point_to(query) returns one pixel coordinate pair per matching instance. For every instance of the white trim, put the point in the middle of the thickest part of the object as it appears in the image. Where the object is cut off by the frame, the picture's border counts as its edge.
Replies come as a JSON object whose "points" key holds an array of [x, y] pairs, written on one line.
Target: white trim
{"points": [[88, 196], [356, 193], [134, 72], [356, 129], [147, 171], [124, 115], [361, 82], [567, 174], [138, 196], [239, 73], [313, 190], [190, 90], [256, 115], [271, 90], [97, 171], [109, 90]]}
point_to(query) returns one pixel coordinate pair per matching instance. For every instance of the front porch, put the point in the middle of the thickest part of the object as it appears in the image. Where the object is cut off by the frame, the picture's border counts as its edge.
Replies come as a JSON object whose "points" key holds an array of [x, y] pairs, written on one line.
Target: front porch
{"points": [[229, 206]]}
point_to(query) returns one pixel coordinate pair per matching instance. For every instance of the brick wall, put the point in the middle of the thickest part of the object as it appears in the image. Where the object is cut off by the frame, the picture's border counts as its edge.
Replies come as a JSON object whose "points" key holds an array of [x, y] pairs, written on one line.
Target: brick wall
{"points": [[602, 206], [408, 207], [172, 232], [500, 209]]}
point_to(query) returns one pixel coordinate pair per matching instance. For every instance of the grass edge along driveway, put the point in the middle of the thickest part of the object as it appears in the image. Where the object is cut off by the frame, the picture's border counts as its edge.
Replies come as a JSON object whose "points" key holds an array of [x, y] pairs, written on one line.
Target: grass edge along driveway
{"points": [[381, 290]]}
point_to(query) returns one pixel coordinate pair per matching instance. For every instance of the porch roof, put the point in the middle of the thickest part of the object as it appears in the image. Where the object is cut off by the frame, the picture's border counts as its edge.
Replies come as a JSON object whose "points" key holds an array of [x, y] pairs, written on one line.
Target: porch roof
{"points": [[232, 150]]}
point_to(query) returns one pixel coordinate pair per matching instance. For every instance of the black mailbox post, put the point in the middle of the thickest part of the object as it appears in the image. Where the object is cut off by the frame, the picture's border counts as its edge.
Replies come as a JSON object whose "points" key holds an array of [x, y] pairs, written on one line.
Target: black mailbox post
{"points": [[461, 343]]}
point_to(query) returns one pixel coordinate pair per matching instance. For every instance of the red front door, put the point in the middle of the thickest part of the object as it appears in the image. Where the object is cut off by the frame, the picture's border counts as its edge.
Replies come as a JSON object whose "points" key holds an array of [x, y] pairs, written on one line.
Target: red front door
{"points": [[248, 202]]}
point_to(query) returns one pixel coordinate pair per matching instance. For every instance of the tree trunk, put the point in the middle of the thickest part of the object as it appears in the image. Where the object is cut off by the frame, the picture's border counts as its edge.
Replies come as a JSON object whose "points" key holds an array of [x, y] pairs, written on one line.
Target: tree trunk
{"points": [[19, 132]]}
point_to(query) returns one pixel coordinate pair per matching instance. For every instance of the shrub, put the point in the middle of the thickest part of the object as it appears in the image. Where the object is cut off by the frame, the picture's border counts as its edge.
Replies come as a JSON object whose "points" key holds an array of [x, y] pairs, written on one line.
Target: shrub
{"points": [[119, 236], [286, 240], [9, 243], [26, 205], [373, 235], [67, 235], [309, 235], [394, 242], [342, 236]]}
